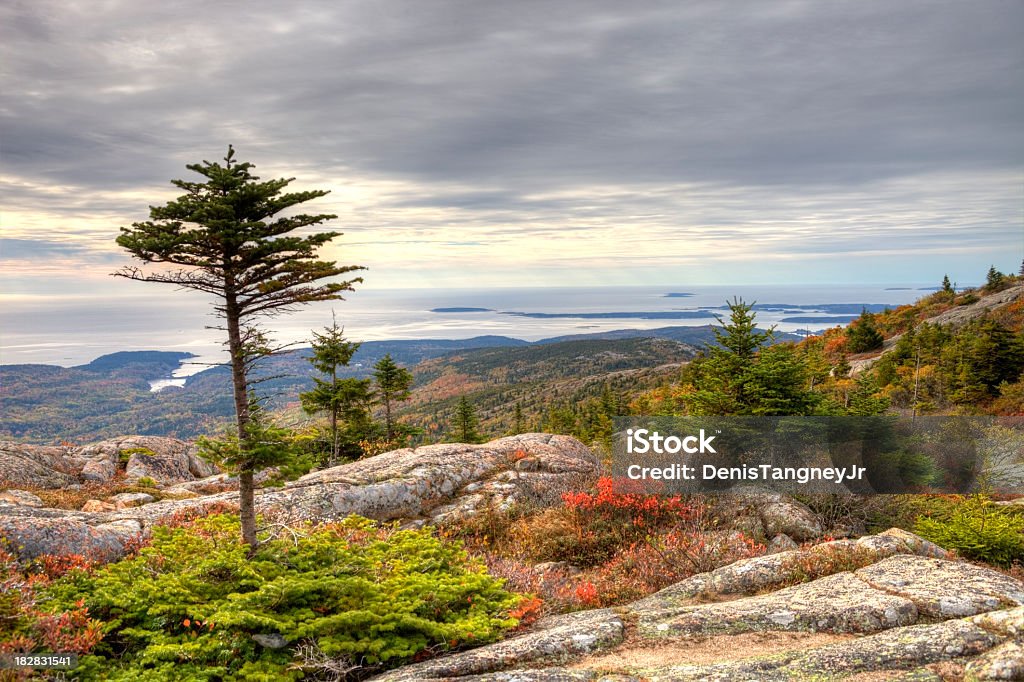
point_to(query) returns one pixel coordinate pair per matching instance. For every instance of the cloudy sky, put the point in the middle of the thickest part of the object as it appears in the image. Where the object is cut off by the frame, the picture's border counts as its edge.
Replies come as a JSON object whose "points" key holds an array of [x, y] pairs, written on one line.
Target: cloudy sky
{"points": [[473, 142]]}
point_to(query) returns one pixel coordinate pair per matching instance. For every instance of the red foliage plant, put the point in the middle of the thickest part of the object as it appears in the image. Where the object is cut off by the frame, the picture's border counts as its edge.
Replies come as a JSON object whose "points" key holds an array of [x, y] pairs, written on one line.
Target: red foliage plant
{"points": [[613, 498], [27, 628]]}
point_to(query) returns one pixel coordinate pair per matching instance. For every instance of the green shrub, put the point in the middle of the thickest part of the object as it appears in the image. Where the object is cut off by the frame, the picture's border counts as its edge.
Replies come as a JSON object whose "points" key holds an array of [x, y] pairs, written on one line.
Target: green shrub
{"points": [[977, 529], [146, 482], [188, 605], [126, 454]]}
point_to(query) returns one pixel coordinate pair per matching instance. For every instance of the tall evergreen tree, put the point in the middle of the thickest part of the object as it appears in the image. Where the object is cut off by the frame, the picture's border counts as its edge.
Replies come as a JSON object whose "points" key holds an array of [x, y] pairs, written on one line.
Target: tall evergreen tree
{"points": [[225, 237], [466, 421], [393, 384]]}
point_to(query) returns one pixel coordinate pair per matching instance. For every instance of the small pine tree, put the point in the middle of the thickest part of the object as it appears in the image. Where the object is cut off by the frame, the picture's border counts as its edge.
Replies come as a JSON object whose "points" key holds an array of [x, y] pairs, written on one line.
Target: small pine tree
{"points": [[466, 421], [947, 287], [518, 423], [393, 384], [344, 399], [994, 280], [862, 335], [262, 445]]}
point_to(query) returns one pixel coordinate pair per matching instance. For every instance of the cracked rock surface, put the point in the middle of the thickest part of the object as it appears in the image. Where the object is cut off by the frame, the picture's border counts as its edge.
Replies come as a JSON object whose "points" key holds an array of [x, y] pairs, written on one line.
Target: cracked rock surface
{"points": [[416, 486], [907, 609]]}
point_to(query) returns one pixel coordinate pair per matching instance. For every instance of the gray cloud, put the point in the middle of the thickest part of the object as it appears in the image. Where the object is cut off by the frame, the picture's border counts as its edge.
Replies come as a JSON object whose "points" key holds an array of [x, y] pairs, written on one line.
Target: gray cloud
{"points": [[540, 117], [529, 93]]}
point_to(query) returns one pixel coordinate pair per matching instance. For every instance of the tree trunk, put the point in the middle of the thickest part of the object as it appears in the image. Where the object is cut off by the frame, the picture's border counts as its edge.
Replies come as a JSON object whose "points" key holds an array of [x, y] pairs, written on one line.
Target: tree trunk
{"points": [[334, 413], [334, 436], [246, 503]]}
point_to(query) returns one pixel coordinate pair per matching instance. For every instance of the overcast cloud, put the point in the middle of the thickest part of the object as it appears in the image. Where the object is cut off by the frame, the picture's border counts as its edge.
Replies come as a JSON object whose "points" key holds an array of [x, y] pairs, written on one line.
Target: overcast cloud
{"points": [[522, 142]]}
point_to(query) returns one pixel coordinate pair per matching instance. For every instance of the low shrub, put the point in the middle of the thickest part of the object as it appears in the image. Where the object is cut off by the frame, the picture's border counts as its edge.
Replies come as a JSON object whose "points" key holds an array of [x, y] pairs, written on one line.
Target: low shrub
{"points": [[27, 627], [976, 528], [662, 560], [350, 596]]}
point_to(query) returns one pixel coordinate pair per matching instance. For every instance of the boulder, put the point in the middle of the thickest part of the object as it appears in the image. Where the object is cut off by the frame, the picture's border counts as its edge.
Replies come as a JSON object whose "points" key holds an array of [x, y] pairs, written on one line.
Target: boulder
{"points": [[126, 500], [39, 466], [22, 497], [766, 513], [165, 460], [67, 534], [781, 543], [98, 506]]}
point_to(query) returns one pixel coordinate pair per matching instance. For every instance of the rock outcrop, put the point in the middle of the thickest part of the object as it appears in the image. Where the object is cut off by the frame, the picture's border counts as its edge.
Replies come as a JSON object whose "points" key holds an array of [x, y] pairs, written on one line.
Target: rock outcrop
{"points": [[165, 460], [416, 486], [907, 608]]}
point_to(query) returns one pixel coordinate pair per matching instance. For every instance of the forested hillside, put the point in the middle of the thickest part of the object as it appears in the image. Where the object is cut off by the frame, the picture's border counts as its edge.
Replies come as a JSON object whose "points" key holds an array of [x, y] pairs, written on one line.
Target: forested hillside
{"points": [[111, 396]]}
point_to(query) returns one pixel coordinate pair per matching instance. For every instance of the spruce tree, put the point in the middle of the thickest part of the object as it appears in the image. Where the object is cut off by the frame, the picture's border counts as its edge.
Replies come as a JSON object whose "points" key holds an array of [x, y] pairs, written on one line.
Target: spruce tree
{"points": [[333, 394], [393, 384], [994, 280], [947, 288], [518, 424], [718, 375], [862, 335], [466, 421], [225, 237], [745, 374]]}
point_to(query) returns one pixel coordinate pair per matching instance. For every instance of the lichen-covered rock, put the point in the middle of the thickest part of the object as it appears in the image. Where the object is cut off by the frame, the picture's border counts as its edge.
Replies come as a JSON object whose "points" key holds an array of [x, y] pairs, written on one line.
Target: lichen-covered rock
{"points": [[31, 537], [905, 571], [40, 466], [430, 484], [836, 603], [22, 497], [770, 513], [1006, 622], [927, 581], [126, 500], [559, 637], [98, 506], [165, 460], [781, 543], [1004, 662]]}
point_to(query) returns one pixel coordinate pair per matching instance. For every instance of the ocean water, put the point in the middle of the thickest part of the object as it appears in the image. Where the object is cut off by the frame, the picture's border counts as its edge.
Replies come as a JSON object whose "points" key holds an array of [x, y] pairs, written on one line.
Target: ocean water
{"points": [[74, 330]]}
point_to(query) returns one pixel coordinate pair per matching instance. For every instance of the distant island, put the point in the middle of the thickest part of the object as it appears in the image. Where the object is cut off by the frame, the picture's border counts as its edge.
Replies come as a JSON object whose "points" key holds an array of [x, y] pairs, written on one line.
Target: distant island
{"points": [[659, 315], [835, 308], [461, 310], [838, 319], [678, 295]]}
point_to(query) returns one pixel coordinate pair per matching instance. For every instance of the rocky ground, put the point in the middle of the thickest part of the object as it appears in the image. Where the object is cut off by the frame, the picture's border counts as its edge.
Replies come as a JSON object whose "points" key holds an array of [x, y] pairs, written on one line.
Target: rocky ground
{"points": [[910, 614], [880, 607], [430, 484]]}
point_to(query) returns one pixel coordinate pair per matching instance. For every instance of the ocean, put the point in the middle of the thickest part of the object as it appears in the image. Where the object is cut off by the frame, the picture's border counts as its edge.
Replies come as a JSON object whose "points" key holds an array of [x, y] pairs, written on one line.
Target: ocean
{"points": [[74, 330]]}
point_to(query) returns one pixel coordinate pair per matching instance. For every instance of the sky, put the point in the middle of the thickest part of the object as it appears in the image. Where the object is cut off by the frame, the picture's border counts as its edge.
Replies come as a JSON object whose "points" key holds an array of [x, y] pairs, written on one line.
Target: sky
{"points": [[472, 143]]}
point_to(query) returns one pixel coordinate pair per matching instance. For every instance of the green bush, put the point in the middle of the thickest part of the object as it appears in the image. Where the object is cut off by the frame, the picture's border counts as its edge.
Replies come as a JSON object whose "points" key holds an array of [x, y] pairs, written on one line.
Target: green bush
{"points": [[977, 529], [347, 594]]}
